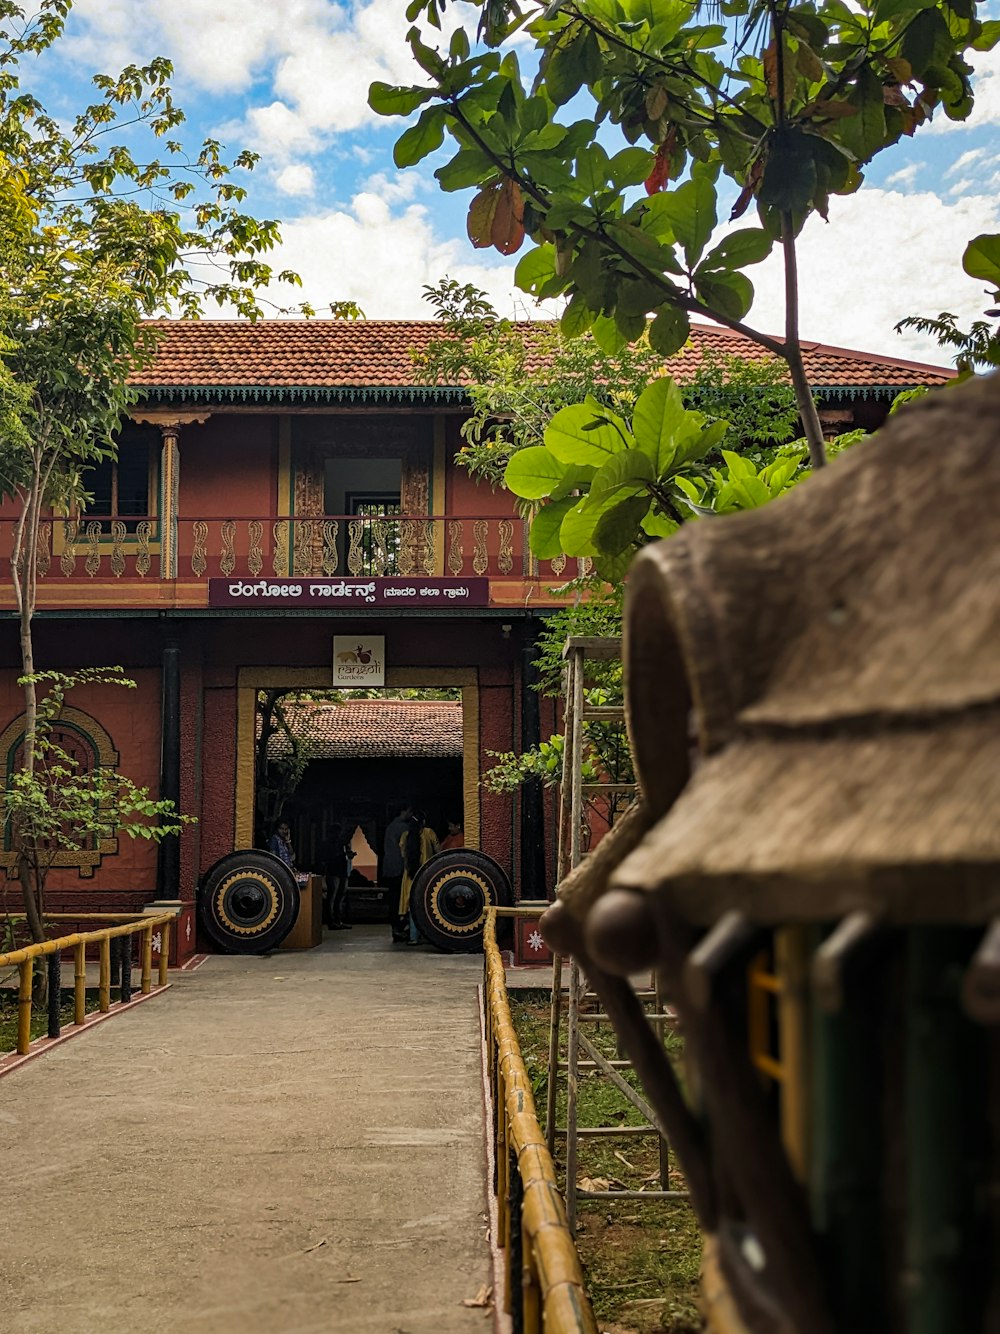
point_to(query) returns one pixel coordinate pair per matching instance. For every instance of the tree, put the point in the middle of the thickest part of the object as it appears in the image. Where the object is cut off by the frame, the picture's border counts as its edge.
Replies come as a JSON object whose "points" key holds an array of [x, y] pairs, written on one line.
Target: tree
{"points": [[98, 237], [518, 376], [978, 347], [56, 805], [788, 102]]}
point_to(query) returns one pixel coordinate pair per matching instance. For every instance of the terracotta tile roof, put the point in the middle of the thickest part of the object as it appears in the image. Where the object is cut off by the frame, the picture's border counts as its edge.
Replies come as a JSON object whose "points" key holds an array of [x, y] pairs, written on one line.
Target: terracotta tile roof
{"points": [[314, 359], [375, 729]]}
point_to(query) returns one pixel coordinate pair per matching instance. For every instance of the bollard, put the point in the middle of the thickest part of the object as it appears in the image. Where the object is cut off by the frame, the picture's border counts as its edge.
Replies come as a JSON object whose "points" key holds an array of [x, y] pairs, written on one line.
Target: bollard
{"points": [[55, 994], [164, 954], [104, 980], [147, 961], [79, 982], [25, 971]]}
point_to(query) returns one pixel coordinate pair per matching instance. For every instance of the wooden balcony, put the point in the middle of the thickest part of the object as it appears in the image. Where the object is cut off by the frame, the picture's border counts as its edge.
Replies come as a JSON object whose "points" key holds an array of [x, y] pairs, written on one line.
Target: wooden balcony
{"points": [[104, 562]]}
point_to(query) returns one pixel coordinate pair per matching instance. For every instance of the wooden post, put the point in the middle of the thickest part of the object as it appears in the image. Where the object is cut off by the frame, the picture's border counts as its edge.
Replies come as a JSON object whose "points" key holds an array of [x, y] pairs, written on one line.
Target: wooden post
{"points": [[79, 982], [25, 971], [164, 954], [104, 978], [146, 976]]}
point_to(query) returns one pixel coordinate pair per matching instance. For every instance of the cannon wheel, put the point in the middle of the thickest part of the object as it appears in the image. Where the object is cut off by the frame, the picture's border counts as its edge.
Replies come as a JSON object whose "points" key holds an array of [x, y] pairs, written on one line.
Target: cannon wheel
{"points": [[450, 895], [248, 902]]}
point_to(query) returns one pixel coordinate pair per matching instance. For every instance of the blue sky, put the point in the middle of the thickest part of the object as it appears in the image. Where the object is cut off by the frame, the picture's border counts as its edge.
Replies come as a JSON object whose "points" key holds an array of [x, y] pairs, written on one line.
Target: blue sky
{"points": [[289, 79]]}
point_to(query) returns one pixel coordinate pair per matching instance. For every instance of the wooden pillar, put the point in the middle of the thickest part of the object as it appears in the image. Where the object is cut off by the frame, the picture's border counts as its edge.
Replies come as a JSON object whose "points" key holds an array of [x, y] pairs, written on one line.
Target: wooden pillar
{"points": [[532, 803], [170, 464]]}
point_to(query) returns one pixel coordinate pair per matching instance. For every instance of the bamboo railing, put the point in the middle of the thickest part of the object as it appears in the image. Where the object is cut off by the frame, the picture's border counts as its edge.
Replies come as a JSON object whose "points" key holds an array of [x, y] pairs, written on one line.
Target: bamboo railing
{"points": [[128, 925], [544, 1288]]}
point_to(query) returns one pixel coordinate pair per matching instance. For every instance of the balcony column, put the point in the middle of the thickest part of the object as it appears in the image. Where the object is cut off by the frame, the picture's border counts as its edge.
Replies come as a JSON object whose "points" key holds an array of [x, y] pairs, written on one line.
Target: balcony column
{"points": [[170, 476]]}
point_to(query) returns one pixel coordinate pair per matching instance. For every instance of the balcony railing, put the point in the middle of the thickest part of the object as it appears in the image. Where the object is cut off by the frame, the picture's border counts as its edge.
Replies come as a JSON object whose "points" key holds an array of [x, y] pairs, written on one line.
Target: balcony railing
{"points": [[389, 545]]}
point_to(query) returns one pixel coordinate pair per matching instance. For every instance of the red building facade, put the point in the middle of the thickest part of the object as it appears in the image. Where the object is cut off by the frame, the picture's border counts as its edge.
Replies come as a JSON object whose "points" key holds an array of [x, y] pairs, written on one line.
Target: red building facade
{"points": [[281, 484]]}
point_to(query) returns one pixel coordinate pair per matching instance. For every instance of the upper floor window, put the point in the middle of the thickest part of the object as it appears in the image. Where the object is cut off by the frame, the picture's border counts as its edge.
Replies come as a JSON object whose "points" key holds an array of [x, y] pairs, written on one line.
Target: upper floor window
{"points": [[125, 487]]}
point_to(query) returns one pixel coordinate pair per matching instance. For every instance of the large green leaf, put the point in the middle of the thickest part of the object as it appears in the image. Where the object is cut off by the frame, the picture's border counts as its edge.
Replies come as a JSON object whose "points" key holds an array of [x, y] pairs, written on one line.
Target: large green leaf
{"points": [[669, 331], [420, 139], [469, 166], [631, 167], [628, 471], [618, 528], [657, 421], [575, 435], [533, 473], [385, 99], [982, 258], [543, 539], [690, 213], [535, 268], [730, 293], [576, 532], [748, 246]]}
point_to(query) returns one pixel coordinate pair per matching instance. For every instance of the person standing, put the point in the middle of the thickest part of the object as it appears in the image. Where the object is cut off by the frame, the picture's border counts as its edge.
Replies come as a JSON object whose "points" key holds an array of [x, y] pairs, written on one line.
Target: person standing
{"points": [[280, 844], [336, 867], [455, 837], [417, 845], [392, 869]]}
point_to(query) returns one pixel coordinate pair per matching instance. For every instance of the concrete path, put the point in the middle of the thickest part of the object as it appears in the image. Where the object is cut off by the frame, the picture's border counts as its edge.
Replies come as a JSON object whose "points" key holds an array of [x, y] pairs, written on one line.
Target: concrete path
{"points": [[281, 1144]]}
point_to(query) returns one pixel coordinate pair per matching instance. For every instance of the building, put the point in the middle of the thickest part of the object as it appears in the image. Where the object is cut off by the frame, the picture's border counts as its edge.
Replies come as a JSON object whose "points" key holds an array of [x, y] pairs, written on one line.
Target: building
{"points": [[280, 486]]}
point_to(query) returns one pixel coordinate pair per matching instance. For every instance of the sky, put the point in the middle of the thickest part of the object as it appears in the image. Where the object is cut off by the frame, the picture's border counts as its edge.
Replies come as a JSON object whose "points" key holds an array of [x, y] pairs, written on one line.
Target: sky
{"points": [[289, 79]]}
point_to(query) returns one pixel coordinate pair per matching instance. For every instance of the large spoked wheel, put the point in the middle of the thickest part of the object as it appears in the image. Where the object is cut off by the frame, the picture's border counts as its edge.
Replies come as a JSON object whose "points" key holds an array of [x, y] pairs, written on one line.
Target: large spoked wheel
{"points": [[248, 902], [450, 896]]}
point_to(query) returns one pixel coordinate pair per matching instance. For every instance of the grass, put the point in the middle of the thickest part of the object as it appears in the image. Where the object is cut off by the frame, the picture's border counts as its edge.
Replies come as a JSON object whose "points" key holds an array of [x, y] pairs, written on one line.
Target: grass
{"points": [[641, 1260], [39, 1016]]}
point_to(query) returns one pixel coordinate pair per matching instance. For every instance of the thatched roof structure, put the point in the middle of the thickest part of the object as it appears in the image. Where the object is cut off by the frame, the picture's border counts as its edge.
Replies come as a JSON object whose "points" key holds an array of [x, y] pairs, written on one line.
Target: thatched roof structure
{"points": [[841, 653]]}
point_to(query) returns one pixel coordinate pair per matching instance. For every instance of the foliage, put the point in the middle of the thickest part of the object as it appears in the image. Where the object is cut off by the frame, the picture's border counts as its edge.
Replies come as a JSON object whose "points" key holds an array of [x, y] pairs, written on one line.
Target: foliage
{"points": [[57, 806], [788, 102], [978, 347], [612, 486], [97, 235], [519, 375]]}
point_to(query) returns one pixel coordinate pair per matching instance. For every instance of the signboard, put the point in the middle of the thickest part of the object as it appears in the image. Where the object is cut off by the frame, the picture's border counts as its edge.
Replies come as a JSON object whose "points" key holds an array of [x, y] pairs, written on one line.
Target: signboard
{"points": [[358, 660], [354, 592]]}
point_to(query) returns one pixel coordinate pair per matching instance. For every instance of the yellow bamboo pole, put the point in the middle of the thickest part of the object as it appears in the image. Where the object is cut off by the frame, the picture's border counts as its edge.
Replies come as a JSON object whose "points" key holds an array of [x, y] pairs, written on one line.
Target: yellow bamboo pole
{"points": [[80, 980], [164, 953], [104, 978], [25, 971], [146, 975]]}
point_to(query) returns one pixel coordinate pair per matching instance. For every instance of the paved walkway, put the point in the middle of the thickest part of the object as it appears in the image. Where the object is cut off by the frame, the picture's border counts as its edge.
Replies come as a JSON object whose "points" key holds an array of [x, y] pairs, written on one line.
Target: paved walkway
{"points": [[281, 1144]]}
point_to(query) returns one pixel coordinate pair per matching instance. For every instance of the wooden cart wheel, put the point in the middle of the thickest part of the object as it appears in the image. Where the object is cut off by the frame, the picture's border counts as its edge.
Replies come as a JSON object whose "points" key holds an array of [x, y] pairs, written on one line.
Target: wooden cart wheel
{"points": [[450, 895], [248, 902]]}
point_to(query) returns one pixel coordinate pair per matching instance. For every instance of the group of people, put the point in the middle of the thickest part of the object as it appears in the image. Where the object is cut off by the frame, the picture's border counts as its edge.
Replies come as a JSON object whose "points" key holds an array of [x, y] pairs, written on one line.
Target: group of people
{"points": [[409, 842]]}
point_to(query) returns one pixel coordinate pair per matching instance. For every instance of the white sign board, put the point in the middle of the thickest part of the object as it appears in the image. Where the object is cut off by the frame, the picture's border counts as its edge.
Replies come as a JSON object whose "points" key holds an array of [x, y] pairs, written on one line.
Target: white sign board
{"points": [[358, 660]]}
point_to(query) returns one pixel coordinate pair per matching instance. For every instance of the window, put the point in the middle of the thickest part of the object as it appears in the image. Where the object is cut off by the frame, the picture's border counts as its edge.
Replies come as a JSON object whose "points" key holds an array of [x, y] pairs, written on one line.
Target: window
{"points": [[124, 488], [375, 533]]}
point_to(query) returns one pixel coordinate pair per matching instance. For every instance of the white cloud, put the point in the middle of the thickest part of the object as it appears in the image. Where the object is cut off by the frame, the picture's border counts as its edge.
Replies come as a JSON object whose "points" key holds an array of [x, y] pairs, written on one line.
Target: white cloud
{"points": [[399, 189], [297, 178], [883, 255], [316, 57], [381, 258], [905, 176], [965, 160]]}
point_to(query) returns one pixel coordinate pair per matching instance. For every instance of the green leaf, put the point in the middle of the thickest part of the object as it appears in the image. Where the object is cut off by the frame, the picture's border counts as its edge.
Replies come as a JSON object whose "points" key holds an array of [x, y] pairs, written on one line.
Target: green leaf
{"points": [[988, 37], [618, 528], [420, 139], [533, 473], [386, 99], [574, 435], [577, 318], [566, 70], [982, 258], [669, 331], [690, 213], [468, 167], [593, 170], [658, 420], [630, 167], [576, 532], [747, 246], [629, 471], [731, 294], [656, 524], [789, 180], [543, 538], [607, 335], [535, 268]]}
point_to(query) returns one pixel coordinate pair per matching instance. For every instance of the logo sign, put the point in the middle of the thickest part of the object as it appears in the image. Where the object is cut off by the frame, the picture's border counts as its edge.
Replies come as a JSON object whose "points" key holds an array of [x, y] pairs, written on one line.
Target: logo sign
{"points": [[335, 594], [358, 660]]}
